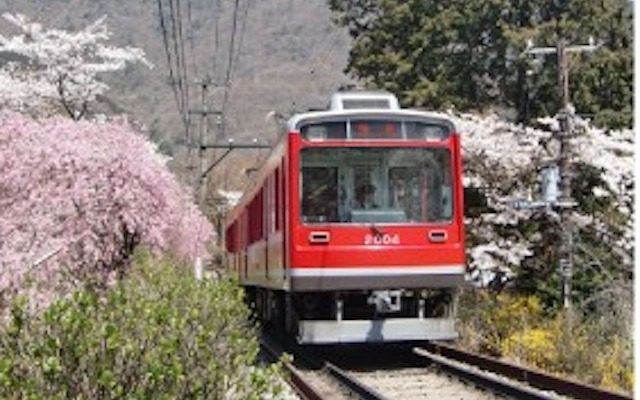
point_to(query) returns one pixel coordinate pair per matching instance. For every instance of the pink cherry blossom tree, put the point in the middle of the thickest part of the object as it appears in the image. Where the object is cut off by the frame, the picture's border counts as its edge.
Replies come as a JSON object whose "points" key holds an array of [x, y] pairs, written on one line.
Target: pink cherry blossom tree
{"points": [[76, 199], [51, 70]]}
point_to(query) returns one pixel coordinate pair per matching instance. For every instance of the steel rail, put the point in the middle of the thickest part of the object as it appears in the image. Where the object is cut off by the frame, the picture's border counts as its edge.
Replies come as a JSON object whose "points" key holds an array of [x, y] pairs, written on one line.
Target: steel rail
{"points": [[309, 392], [360, 389], [534, 378], [295, 379], [493, 383]]}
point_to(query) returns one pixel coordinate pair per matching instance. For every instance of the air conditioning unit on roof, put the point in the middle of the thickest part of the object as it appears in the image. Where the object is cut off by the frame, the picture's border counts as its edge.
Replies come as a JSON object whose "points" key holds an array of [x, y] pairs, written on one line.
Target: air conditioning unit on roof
{"points": [[366, 100]]}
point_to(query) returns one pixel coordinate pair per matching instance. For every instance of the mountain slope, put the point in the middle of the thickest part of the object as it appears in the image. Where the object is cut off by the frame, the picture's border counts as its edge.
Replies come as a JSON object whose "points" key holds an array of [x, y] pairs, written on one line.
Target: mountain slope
{"points": [[290, 58]]}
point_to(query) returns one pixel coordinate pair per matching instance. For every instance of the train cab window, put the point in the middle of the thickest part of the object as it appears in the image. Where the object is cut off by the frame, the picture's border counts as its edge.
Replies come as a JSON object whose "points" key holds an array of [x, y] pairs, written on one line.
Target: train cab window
{"points": [[377, 185], [422, 186], [319, 194], [325, 131], [423, 131]]}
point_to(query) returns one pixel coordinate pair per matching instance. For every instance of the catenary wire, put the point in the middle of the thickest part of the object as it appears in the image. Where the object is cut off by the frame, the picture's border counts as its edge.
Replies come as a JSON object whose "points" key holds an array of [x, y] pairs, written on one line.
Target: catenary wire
{"points": [[170, 63]]}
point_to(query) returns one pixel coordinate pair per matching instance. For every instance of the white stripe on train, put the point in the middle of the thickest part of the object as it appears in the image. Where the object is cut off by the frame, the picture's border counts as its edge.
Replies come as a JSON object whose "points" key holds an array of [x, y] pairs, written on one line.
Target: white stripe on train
{"points": [[387, 270]]}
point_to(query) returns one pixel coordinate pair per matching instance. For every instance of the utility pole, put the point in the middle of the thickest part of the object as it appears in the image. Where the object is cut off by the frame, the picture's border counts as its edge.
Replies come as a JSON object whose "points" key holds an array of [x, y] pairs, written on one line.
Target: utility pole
{"points": [[199, 179], [566, 118], [204, 166], [564, 163]]}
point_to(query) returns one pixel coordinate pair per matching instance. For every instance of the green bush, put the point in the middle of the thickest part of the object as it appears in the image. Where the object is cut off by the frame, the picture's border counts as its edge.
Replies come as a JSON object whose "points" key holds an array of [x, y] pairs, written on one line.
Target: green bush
{"points": [[158, 334], [517, 328], [488, 318]]}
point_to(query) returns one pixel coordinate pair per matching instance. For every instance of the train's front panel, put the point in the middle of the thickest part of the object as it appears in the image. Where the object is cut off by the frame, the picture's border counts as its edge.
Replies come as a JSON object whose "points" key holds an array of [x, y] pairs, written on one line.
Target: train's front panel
{"points": [[371, 213], [376, 239]]}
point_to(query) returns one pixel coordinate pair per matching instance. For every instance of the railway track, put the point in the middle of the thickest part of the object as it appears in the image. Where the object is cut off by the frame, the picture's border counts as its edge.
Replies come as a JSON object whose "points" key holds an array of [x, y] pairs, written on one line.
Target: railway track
{"points": [[467, 376], [330, 382], [520, 382], [319, 379]]}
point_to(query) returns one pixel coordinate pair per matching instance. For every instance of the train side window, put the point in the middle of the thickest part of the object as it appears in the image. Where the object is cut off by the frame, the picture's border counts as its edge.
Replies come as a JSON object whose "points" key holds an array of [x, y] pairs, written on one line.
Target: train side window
{"points": [[253, 217], [271, 204], [277, 198], [319, 194], [283, 195], [260, 215], [256, 217], [229, 238]]}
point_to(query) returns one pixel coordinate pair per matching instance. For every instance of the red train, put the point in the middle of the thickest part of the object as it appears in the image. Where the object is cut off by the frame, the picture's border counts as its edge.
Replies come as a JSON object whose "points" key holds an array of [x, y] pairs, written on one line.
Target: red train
{"points": [[353, 228]]}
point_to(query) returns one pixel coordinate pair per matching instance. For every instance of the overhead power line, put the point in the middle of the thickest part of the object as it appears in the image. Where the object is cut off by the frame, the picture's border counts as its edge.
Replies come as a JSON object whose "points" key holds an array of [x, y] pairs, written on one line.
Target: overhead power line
{"points": [[243, 29], [180, 41], [190, 37], [233, 55], [178, 44], [233, 39], [173, 77], [216, 33]]}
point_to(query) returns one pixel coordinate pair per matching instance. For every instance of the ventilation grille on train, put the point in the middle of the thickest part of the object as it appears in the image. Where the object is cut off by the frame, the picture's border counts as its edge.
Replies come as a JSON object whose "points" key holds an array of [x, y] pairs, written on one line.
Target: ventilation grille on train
{"points": [[365, 103]]}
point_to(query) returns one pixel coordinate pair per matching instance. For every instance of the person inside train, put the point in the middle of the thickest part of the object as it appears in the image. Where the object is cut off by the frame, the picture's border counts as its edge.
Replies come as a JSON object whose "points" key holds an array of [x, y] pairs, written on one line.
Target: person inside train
{"points": [[365, 196]]}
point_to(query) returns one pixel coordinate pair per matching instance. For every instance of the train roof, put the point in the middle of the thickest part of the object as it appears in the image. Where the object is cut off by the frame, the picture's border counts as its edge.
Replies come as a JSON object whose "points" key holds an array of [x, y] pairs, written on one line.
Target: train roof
{"points": [[296, 121], [372, 104]]}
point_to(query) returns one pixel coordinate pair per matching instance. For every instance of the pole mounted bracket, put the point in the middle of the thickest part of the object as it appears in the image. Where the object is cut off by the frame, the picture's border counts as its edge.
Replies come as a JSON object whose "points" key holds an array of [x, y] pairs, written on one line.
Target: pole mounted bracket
{"points": [[229, 147]]}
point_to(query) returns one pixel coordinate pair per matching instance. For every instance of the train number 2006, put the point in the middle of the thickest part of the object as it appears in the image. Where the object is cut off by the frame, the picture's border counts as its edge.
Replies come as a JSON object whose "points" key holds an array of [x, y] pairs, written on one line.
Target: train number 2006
{"points": [[370, 239]]}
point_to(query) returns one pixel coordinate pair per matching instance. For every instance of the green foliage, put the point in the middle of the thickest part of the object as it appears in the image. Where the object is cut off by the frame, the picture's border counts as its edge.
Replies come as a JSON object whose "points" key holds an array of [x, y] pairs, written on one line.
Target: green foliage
{"points": [[470, 54], [582, 351], [531, 346], [488, 318], [158, 334], [597, 350]]}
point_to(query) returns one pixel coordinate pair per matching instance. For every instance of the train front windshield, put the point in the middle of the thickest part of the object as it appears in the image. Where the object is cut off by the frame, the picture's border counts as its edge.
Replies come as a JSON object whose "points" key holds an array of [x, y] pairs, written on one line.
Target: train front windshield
{"points": [[376, 185]]}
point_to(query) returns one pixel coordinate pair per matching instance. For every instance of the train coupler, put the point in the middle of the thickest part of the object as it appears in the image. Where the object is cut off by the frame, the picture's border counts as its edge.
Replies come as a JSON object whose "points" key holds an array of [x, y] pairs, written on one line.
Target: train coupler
{"points": [[386, 301]]}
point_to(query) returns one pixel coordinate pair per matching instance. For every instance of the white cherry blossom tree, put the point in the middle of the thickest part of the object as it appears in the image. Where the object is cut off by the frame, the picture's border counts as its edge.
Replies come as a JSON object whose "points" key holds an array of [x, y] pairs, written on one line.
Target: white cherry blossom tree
{"points": [[502, 164], [44, 71]]}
